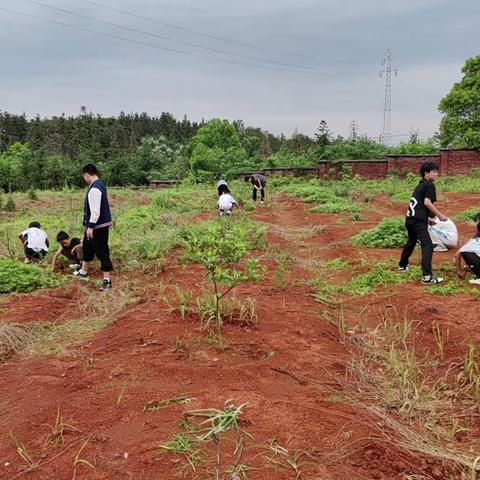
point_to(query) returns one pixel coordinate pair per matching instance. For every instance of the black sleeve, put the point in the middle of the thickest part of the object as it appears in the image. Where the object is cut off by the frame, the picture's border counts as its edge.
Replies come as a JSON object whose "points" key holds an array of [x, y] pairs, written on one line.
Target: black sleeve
{"points": [[430, 192]]}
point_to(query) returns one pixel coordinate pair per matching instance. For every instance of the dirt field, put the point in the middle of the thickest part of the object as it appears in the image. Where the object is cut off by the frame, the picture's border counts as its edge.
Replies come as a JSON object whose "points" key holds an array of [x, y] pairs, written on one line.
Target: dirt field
{"points": [[293, 369]]}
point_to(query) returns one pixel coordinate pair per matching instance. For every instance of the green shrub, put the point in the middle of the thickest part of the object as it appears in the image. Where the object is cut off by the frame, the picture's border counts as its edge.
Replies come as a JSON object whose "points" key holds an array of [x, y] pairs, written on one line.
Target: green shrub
{"points": [[389, 233], [10, 205], [32, 195], [18, 277]]}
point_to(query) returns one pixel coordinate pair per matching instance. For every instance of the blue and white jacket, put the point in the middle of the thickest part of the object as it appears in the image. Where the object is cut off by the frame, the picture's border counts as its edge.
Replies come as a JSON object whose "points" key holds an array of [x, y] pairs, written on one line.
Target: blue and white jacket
{"points": [[96, 210]]}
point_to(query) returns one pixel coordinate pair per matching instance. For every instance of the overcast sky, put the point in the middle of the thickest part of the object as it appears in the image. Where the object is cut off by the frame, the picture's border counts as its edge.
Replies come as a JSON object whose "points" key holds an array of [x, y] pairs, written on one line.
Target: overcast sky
{"points": [[315, 59]]}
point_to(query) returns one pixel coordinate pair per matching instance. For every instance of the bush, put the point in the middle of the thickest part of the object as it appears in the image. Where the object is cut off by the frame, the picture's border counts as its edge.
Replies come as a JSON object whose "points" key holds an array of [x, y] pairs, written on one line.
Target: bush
{"points": [[10, 205], [18, 277], [389, 233]]}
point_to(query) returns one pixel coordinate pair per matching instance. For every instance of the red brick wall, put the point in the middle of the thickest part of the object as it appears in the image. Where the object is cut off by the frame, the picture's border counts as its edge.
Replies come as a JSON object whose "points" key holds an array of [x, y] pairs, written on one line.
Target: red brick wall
{"points": [[459, 162], [402, 164], [370, 170]]}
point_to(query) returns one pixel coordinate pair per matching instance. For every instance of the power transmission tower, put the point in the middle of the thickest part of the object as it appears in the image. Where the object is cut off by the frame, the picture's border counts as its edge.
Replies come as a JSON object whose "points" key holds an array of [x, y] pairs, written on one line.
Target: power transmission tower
{"points": [[353, 130], [386, 135]]}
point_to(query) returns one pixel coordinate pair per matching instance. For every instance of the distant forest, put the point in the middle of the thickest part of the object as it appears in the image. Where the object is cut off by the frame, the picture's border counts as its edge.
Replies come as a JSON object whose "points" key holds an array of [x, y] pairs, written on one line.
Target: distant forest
{"points": [[131, 149]]}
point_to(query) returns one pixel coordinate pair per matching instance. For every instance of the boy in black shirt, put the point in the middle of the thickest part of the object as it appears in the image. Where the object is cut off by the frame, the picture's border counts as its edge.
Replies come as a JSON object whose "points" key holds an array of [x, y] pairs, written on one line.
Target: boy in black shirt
{"points": [[70, 248], [420, 208]]}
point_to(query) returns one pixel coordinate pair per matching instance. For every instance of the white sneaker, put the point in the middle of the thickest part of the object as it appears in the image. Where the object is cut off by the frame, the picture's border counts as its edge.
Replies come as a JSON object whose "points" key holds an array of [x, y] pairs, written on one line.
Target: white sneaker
{"points": [[438, 248], [475, 281], [75, 266], [403, 269], [429, 280]]}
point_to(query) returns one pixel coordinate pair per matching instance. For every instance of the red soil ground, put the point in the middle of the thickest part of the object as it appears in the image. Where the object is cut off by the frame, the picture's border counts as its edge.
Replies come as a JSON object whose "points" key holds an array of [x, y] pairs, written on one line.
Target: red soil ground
{"points": [[289, 368]]}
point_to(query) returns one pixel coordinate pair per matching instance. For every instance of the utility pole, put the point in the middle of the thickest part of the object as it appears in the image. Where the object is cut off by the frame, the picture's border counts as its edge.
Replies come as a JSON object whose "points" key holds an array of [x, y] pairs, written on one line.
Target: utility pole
{"points": [[386, 135]]}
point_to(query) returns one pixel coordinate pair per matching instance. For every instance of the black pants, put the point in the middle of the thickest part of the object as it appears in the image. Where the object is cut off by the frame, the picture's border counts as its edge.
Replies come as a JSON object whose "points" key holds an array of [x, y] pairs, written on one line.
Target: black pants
{"points": [[262, 194], [473, 261], [98, 246], [223, 189], [418, 230], [32, 254]]}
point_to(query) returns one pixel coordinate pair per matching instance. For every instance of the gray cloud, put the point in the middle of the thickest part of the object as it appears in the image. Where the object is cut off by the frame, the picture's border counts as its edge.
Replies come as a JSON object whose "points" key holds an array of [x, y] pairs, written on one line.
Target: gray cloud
{"points": [[51, 69]]}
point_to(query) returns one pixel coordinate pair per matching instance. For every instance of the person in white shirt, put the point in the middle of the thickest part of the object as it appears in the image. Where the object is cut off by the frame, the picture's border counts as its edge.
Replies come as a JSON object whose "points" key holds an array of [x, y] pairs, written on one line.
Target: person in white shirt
{"points": [[35, 242], [226, 203], [470, 254], [444, 234]]}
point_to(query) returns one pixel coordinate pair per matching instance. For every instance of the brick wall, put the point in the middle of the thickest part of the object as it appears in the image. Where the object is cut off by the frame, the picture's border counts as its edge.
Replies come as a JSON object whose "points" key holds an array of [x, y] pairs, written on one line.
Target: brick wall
{"points": [[452, 162], [459, 162], [402, 164]]}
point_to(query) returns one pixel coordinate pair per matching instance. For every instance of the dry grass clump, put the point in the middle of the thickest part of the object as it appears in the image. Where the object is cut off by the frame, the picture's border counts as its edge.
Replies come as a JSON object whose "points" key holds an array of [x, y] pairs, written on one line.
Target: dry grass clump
{"points": [[419, 402], [15, 338]]}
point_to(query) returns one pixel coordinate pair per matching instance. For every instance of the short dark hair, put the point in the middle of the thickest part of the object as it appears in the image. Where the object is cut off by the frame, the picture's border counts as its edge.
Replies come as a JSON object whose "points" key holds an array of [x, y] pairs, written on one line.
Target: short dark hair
{"points": [[428, 167], [34, 225], [476, 218], [61, 235], [90, 168], [247, 177]]}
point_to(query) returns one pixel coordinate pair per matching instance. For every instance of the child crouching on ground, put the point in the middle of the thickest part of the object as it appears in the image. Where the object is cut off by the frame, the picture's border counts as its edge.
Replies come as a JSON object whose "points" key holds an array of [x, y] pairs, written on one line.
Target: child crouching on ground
{"points": [[470, 253], [35, 242], [70, 248], [226, 203]]}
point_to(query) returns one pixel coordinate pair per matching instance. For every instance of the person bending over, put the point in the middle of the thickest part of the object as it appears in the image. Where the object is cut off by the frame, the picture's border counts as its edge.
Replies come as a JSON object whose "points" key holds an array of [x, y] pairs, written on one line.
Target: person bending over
{"points": [[470, 254], [35, 242], [70, 248], [258, 181], [444, 235]]}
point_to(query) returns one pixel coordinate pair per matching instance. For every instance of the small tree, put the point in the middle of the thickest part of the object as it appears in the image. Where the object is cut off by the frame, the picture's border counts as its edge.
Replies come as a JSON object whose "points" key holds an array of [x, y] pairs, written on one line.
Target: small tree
{"points": [[10, 205], [32, 194], [220, 247]]}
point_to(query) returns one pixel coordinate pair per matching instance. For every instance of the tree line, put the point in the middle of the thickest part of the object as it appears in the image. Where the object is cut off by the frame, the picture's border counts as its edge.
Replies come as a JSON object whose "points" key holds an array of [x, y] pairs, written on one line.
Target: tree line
{"points": [[131, 149]]}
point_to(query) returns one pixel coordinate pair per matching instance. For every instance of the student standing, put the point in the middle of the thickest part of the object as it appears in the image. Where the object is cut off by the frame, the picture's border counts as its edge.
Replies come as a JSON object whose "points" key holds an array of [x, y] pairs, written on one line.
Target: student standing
{"points": [[420, 208], [258, 181], [97, 221]]}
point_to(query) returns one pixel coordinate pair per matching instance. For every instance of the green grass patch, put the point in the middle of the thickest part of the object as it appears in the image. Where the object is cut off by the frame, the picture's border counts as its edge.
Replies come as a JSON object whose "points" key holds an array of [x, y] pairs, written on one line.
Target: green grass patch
{"points": [[19, 277], [382, 275], [337, 207], [467, 215], [389, 233]]}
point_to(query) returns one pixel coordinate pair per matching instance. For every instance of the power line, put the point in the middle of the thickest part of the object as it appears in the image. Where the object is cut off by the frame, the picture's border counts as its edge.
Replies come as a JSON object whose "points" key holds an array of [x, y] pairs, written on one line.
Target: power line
{"points": [[169, 39], [207, 35], [171, 50], [184, 29]]}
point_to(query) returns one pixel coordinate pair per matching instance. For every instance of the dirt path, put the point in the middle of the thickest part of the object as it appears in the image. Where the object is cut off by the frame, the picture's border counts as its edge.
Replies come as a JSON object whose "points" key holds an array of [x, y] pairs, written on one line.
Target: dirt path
{"points": [[290, 369]]}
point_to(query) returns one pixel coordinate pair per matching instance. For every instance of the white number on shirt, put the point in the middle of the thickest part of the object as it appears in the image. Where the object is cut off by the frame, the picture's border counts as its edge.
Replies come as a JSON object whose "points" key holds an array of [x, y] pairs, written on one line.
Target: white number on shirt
{"points": [[411, 207]]}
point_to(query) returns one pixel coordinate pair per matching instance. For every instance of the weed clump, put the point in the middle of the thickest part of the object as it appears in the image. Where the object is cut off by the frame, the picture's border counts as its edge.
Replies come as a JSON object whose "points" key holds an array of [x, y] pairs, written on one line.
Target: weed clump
{"points": [[10, 205], [20, 278], [389, 233]]}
